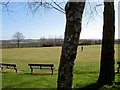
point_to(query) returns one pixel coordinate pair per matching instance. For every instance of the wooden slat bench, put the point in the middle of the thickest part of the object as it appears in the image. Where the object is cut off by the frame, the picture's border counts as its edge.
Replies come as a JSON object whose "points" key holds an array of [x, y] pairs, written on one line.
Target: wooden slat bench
{"points": [[118, 67], [8, 66], [41, 66]]}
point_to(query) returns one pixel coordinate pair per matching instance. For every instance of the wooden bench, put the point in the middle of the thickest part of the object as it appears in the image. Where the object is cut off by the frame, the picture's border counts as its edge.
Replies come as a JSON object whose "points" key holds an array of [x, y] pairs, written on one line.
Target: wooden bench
{"points": [[8, 66], [118, 67], [41, 66]]}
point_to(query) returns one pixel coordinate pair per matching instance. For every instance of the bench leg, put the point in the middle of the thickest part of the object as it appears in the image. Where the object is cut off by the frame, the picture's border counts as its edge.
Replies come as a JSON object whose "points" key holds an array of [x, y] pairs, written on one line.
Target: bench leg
{"points": [[15, 70], [118, 70], [1, 68], [52, 71], [31, 70]]}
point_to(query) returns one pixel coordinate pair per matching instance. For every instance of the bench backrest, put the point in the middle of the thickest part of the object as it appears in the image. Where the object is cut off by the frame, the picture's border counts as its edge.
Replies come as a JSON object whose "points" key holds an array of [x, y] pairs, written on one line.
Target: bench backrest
{"points": [[14, 65], [46, 65], [118, 62]]}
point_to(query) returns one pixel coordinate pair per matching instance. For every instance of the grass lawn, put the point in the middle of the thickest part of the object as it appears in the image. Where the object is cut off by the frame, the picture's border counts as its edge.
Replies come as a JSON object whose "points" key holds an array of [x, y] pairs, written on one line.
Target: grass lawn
{"points": [[86, 67]]}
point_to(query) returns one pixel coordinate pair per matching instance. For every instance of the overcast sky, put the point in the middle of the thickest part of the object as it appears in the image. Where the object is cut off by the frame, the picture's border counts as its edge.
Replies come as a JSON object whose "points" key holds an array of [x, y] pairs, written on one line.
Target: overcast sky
{"points": [[49, 23]]}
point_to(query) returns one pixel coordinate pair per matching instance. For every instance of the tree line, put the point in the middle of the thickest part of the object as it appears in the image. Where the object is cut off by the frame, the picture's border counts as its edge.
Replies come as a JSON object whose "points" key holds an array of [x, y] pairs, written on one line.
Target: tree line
{"points": [[44, 42]]}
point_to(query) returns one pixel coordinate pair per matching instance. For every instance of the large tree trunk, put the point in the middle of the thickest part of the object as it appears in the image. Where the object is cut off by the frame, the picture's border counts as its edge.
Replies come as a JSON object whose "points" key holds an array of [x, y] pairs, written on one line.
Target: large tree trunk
{"points": [[107, 54], [74, 11]]}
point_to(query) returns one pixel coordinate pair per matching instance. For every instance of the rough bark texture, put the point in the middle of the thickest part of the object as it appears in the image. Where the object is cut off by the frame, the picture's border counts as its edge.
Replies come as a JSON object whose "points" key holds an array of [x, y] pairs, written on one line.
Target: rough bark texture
{"points": [[74, 11], [107, 54]]}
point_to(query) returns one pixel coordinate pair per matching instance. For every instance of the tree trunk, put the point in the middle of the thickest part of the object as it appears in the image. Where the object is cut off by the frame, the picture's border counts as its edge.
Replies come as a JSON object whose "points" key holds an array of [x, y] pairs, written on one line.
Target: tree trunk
{"points": [[18, 43], [107, 54], [74, 11]]}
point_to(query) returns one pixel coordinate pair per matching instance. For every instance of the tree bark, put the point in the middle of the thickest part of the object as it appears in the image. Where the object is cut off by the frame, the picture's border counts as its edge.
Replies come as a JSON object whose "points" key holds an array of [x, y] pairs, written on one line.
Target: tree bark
{"points": [[107, 54], [74, 11]]}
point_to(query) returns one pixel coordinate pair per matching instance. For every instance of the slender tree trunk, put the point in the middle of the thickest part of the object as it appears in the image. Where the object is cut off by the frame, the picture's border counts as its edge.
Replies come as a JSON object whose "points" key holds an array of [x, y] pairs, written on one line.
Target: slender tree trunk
{"points": [[18, 44], [74, 11], [107, 54]]}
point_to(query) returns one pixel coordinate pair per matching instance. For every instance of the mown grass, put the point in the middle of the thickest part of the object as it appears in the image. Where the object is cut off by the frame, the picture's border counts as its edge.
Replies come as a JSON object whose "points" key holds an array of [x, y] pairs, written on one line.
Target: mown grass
{"points": [[86, 67]]}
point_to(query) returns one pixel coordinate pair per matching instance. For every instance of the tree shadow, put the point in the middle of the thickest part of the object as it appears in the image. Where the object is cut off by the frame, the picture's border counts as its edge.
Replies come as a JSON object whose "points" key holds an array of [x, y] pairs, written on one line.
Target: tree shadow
{"points": [[117, 83], [7, 72], [38, 74], [96, 86], [91, 72], [92, 86]]}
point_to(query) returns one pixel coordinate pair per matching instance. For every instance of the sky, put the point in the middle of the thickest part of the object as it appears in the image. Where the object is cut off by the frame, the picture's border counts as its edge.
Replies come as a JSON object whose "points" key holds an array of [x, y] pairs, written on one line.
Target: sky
{"points": [[49, 23]]}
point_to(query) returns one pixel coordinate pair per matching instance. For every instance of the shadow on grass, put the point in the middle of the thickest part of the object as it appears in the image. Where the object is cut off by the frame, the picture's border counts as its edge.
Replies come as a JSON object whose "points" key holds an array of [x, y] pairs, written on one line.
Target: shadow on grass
{"points": [[96, 86], [29, 89], [117, 83], [2, 73], [91, 72], [92, 86], [38, 74]]}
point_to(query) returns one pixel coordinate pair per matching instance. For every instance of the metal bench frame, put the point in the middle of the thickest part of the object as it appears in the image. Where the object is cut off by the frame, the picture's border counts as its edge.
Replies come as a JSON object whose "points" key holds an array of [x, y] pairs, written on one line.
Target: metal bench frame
{"points": [[118, 67], [41, 66], [8, 66]]}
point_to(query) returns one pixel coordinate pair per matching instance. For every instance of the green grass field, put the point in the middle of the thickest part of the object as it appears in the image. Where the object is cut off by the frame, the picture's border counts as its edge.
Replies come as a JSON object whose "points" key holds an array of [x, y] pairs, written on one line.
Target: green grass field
{"points": [[86, 67]]}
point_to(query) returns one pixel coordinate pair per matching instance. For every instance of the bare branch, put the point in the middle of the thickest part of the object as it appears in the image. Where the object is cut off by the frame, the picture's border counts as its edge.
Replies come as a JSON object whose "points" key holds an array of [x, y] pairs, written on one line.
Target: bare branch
{"points": [[92, 11], [34, 6], [8, 2], [6, 5], [58, 5], [56, 8], [95, 8]]}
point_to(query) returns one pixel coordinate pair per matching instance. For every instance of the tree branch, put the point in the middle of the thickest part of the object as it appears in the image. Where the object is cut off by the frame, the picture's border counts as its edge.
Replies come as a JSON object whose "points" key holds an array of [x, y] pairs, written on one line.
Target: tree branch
{"points": [[34, 6], [56, 8], [5, 4], [93, 10], [58, 5]]}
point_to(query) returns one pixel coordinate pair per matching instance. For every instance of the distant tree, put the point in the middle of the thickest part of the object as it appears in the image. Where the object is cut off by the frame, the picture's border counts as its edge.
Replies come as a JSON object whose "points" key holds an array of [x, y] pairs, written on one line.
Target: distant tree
{"points": [[18, 37]]}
